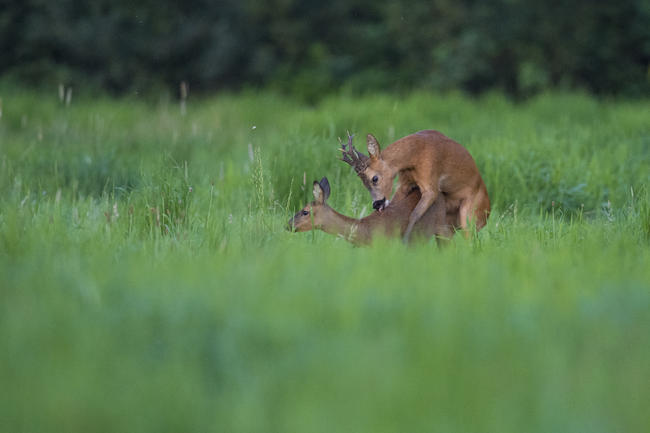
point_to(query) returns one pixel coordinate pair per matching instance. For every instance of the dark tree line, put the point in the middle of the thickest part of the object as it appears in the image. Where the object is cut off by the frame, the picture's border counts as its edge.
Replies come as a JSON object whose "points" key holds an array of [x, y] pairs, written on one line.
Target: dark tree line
{"points": [[310, 47]]}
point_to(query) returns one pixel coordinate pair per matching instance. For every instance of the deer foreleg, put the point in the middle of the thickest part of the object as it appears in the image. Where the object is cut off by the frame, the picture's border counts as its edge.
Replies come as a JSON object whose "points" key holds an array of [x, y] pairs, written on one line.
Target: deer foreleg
{"points": [[427, 199]]}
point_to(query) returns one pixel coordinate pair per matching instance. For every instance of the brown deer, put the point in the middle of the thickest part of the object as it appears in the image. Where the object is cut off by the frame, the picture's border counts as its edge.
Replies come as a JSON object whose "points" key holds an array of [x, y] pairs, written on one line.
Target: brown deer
{"points": [[391, 221], [434, 163]]}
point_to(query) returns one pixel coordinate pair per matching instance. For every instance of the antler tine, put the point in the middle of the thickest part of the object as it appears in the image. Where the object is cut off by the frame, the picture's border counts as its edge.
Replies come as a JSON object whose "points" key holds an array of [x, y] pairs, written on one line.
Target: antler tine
{"points": [[352, 156], [345, 158], [358, 154], [350, 137], [349, 143]]}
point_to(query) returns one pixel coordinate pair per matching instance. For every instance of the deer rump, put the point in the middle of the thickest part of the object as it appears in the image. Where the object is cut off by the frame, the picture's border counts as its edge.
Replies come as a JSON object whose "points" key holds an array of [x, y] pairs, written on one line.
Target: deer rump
{"points": [[393, 220]]}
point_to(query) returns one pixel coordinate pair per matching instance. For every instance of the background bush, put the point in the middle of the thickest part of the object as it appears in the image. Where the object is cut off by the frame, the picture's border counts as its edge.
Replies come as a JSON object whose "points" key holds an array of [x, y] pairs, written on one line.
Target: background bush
{"points": [[312, 47]]}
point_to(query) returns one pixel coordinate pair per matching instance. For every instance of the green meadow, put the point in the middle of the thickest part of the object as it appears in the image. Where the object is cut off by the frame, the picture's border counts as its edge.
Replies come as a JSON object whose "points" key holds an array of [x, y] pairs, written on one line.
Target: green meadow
{"points": [[148, 283]]}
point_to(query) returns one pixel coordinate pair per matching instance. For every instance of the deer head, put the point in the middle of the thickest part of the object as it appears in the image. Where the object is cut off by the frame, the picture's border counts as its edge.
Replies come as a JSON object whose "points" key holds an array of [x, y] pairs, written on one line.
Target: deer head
{"points": [[311, 216], [375, 174]]}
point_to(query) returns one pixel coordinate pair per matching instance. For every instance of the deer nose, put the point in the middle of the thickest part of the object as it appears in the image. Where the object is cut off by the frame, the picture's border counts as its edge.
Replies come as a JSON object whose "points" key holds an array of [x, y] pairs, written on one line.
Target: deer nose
{"points": [[379, 204], [289, 226]]}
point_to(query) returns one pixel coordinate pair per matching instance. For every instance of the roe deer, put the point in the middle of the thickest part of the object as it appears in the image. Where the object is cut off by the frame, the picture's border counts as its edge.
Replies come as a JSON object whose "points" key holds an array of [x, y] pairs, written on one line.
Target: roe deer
{"points": [[431, 161], [390, 222]]}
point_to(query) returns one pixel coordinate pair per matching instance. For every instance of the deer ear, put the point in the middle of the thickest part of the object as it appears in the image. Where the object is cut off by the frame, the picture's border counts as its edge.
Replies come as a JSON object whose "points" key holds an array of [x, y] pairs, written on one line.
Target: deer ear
{"points": [[373, 147], [325, 185], [319, 196]]}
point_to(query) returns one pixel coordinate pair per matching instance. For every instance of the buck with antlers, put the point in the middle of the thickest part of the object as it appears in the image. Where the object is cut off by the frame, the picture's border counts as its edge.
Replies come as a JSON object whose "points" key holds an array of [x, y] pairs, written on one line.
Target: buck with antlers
{"points": [[434, 163], [391, 221]]}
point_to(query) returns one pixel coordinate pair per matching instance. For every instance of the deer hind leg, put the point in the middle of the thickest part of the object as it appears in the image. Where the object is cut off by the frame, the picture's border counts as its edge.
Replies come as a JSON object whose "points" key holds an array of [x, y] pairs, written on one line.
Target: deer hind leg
{"points": [[481, 209], [474, 210], [464, 213], [444, 233]]}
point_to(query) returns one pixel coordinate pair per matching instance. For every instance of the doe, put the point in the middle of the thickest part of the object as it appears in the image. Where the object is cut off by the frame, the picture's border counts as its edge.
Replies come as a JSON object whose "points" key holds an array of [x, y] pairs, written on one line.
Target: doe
{"points": [[392, 221]]}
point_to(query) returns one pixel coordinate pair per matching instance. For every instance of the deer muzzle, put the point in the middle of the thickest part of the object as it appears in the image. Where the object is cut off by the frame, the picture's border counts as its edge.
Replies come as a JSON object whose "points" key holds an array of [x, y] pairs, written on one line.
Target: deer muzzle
{"points": [[380, 204]]}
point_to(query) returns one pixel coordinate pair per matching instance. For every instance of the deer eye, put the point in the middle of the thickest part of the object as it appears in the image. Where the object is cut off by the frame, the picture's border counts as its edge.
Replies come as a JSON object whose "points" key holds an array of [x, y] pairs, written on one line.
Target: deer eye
{"points": [[375, 178], [305, 212]]}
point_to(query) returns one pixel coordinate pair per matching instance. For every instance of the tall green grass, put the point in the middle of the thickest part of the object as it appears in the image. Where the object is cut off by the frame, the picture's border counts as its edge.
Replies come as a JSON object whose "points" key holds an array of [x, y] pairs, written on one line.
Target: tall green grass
{"points": [[148, 283]]}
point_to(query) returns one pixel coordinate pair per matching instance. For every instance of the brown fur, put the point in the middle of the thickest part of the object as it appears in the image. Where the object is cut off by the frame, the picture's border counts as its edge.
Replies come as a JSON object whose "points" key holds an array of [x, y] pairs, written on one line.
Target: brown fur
{"points": [[435, 164], [391, 221]]}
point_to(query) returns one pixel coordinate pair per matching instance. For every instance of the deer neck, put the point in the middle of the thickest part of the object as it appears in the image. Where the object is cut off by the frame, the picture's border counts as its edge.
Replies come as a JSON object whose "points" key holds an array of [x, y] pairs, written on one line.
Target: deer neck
{"points": [[336, 224], [396, 157]]}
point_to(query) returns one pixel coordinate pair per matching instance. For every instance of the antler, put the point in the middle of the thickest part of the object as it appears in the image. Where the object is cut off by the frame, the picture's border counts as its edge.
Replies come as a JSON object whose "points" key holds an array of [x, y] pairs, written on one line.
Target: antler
{"points": [[352, 156]]}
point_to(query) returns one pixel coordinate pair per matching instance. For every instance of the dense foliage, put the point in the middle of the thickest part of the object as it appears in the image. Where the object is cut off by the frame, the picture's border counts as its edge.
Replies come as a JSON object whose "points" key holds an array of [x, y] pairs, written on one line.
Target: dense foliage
{"points": [[148, 282], [311, 47]]}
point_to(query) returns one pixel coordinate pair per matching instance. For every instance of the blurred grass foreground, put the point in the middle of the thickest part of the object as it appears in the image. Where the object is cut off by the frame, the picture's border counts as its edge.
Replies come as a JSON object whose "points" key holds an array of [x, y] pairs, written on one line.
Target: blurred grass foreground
{"points": [[148, 284]]}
